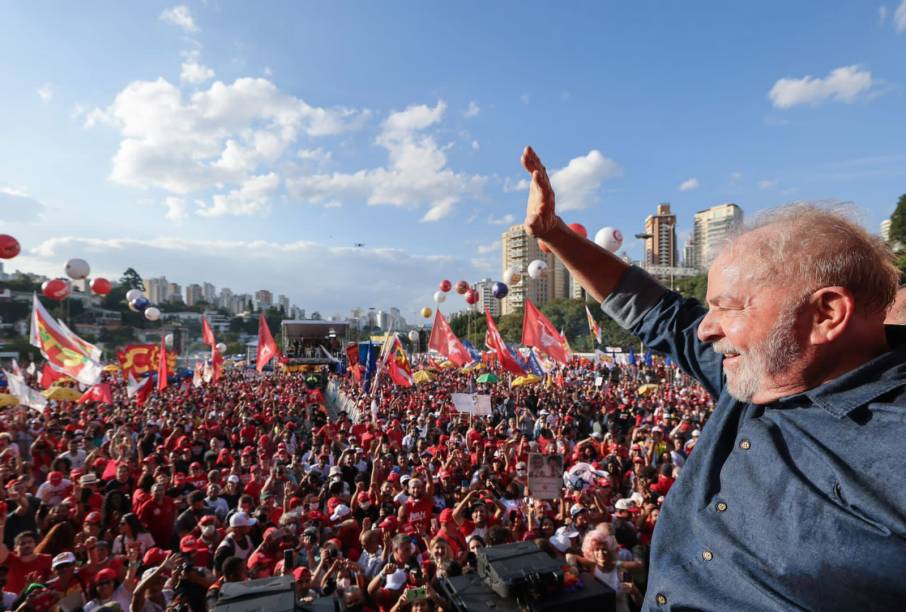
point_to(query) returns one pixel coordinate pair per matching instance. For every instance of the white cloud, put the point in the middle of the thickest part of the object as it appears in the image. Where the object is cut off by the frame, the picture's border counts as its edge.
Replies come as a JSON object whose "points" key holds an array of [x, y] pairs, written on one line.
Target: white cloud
{"points": [[767, 184], [882, 14], [379, 277], [179, 16], [484, 249], [176, 208], [18, 205], [843, 84], [472, 110], [45, 92], [899, 18], [193, 71], [476, 145], [578, 182], [318, 154], [416, 173], [224, 137], [689, 184], [251, 198], [506, 219]]}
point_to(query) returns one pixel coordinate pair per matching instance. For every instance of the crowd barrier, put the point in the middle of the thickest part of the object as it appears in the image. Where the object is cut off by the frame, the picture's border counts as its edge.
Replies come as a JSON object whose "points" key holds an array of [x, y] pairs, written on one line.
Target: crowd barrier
{"points": [[338, 402]]}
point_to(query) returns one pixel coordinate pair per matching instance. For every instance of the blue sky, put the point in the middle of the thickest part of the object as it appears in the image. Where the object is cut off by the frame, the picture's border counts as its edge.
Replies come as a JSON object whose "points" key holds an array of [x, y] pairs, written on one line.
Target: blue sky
{"points": [[252, 144]]}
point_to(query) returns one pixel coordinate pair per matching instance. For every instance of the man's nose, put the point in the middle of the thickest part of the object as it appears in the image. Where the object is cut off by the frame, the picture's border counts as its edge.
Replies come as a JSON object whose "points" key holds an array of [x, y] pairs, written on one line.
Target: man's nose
{"points": [[709, 330]]}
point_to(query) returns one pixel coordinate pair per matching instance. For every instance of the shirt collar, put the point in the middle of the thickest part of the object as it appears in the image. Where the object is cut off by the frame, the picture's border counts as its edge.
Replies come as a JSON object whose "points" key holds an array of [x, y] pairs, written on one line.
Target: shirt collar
{"points": [[868, 382]]}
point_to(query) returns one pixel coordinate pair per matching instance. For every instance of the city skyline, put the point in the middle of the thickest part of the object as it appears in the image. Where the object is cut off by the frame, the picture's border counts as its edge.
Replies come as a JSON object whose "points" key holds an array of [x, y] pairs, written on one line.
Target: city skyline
{"points": [[261, 148]]}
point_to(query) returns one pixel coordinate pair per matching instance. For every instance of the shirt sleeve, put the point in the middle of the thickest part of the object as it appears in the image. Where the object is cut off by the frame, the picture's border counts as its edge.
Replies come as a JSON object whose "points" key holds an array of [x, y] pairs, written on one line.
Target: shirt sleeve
{"points": [[667, 323]]}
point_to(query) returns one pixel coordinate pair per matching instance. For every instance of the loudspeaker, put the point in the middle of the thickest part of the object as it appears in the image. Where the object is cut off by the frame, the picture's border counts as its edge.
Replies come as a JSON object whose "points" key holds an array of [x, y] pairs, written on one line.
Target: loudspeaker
{"points": [[469, 593], [520, 570], [277, 594]]}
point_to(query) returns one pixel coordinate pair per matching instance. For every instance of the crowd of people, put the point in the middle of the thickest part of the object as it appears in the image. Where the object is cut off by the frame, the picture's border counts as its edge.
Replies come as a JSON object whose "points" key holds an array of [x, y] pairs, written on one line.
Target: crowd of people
{"points": [[112, 506]]}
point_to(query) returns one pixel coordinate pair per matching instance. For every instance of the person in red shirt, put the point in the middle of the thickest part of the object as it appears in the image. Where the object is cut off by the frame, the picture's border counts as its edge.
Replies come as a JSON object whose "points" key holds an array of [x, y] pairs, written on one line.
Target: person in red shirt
{"points": [[417, 509], [23, 561], [450, 533], [159, 514]]}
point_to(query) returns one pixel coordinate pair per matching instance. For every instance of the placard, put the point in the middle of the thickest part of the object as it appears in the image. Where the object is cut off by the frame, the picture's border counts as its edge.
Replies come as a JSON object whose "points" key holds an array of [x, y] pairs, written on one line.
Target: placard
{"points": [[545, 476], [472, 403]]}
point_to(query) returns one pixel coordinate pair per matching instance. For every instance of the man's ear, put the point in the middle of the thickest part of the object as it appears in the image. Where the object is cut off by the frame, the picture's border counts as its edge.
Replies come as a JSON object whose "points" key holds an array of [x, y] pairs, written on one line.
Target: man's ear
{"points": [[831, 309]]}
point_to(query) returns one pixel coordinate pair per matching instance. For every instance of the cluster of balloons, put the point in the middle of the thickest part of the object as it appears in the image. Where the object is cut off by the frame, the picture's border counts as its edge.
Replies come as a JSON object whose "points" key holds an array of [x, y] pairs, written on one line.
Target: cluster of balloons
{"points": [[9, 246], [139, 303], [60, 288]]}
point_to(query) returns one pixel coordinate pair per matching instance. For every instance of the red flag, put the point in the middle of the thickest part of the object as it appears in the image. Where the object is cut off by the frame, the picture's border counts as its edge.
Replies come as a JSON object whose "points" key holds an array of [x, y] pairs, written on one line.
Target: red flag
{"points": [[352, 354], [162, 367], [400, 370], [138, 390], [216, 363], [267, 348], [207, 334], [538, 331], [100, 393], [495, 342], [49, 376], [445, 342]]}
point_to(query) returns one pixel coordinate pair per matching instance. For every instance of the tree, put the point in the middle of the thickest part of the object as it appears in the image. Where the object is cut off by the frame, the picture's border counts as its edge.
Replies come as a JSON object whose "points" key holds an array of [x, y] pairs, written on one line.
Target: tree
{"points": [[694, 287], [898, 223], [132, 280]]}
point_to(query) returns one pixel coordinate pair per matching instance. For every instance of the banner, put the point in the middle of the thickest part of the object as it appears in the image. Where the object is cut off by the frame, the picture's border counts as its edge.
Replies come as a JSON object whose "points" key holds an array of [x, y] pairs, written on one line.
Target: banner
{"points": [[593, 328], [139, 359], [398, 365], [472, 403], [86, 347], [19, 389], [545, 476], [58, 347]]}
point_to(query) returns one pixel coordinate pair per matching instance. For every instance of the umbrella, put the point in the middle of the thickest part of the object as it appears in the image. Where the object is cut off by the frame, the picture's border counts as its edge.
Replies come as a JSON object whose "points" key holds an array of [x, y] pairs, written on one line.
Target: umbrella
{"points": [[61, 394], [646, 389], [447, 365], [487, 378], [112, 367], [8, 400], [528, 379], [423, 376]]}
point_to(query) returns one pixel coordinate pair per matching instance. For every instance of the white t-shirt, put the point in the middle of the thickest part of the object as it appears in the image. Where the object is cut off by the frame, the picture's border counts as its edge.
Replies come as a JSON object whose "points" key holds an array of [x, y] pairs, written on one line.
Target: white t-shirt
{"points": [[55, 492]]}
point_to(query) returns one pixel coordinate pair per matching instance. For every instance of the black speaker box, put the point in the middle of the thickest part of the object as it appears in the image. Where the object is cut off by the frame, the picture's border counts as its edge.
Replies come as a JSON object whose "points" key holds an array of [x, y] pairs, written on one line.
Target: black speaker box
{"points": [[469, 593], [513, 569]]}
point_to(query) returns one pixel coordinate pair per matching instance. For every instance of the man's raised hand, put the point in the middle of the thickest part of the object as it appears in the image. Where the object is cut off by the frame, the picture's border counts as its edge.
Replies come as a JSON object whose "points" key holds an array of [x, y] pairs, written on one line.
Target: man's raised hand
{"points": [[540, 217]]}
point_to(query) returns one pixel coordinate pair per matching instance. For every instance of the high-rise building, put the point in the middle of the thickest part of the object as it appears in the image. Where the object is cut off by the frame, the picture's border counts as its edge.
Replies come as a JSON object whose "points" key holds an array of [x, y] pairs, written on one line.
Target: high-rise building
{"points": [[885, 230], [174, 292], [209, 293], [242, 303], [264, 299], [560, 280], [283, 304], [486, 299], [660, 248], [689, 254], [519, 249], [225, 299], [194, 294], [157, 289], [711, 228], [576, 291]]}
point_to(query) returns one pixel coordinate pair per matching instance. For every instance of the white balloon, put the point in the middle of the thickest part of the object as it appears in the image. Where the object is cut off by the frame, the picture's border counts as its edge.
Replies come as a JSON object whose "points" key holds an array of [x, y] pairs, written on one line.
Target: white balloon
{"points": [[413, 336], [133, 294], [77, 268], [537, 269], [512, 275], [152, 313], [439, 297], [221, 347], [609, 238], [168, 340]]}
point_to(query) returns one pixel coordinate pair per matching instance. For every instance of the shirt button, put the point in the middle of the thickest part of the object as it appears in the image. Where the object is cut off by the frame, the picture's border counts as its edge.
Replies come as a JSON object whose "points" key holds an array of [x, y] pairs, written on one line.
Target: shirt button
{"points": [[745, 445], [661, 599], [707, 555], [721, 506]]}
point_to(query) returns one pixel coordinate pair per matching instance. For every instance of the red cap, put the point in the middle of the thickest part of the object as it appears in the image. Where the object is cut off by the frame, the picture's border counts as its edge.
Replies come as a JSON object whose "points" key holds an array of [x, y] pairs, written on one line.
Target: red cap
{"points": [[105, 574], [389, 523], [189, 544], [93, 518], [364, 496], [55, 478], [446, 516], [207, 519], [154, 556], [248, 450], [393, 477], [301, 572]]}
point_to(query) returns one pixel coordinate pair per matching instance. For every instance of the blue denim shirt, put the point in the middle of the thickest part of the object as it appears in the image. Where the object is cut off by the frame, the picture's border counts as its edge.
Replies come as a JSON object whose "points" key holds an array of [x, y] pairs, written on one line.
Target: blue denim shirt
{"points": [[799, 504]]}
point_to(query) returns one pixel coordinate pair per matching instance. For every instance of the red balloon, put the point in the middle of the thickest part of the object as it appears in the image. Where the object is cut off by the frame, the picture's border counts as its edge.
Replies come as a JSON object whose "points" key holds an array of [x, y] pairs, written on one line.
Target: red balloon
{"points": [[579, 229], [462, 287], [56, 289], [543, 246], [100, 286], [471, 297], [445, 285], [9, 247]]}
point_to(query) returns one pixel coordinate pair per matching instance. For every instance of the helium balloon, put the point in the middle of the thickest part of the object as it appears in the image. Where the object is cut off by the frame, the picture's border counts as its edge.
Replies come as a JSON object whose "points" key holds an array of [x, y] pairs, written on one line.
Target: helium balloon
{"points": [[426, 312], [543, 246], [471, 297], [139, 304], [77, 268], [100, 286], [152, 313], [9, 247], [168, 340], [609, 238], [512, 276], [579, 229], [537, 269], [439, 297], [221, 347], [413, 336], [462, 287], [56, 289], [445, 285], [499, 290], [133, 294]]}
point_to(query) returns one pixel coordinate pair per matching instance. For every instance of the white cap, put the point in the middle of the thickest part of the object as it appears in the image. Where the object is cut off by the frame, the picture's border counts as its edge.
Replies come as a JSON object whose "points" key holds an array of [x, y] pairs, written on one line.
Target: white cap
{"points": [[567, 531], [62, 559], [560, 542], [341, 511], [241, 519], [233, 478]]}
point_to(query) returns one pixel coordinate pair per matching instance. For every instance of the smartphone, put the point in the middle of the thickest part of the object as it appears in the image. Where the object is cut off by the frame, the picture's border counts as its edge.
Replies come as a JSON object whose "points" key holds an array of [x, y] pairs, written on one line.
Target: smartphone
{"points": [[288, 561], [464, 484], [416, 593]]}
